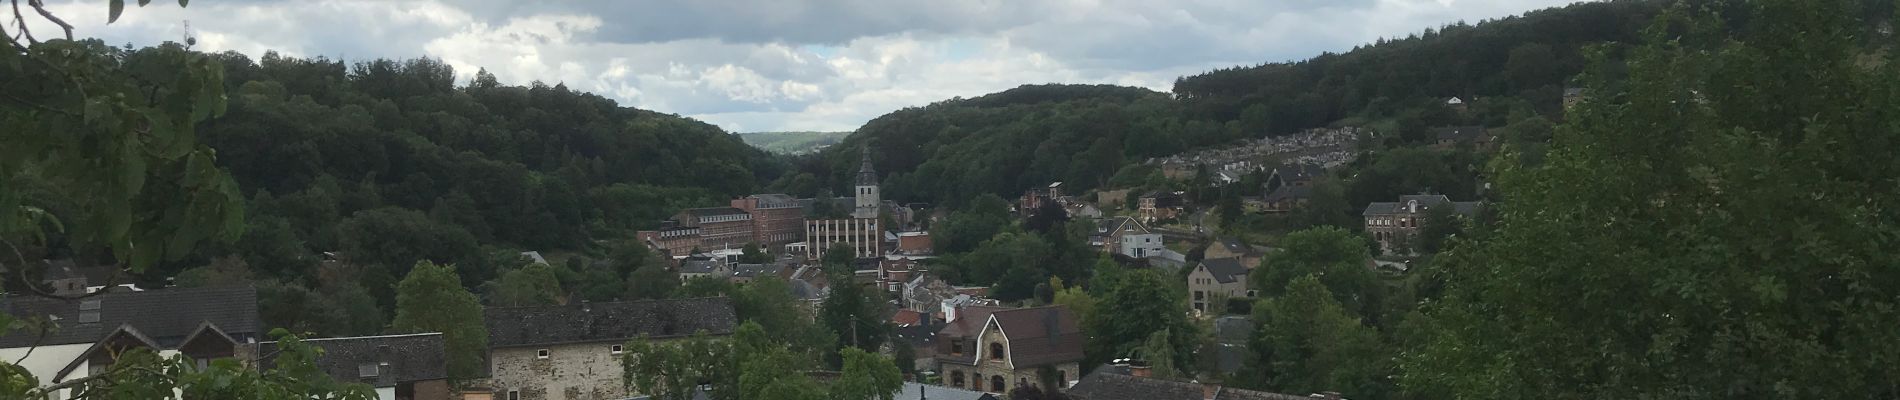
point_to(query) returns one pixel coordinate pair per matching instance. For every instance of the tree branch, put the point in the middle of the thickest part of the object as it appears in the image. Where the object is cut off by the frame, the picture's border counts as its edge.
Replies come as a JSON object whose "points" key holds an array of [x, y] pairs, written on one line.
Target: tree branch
{"points": [[40, 6], [19, 19]]}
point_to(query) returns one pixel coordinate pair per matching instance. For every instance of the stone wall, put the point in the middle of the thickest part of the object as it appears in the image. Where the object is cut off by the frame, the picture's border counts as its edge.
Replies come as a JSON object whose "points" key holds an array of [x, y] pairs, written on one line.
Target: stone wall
{"points": [[570, 372]]}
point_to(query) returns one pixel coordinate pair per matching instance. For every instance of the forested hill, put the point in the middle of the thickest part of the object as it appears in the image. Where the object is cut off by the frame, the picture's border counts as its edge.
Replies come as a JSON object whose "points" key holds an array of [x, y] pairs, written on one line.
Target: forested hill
{"points": [[393, 161], [1000, 143]]}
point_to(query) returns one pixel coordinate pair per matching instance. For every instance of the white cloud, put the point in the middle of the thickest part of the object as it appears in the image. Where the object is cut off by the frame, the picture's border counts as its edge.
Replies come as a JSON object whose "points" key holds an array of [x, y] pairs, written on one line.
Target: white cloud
{"points": [[808, 65]]}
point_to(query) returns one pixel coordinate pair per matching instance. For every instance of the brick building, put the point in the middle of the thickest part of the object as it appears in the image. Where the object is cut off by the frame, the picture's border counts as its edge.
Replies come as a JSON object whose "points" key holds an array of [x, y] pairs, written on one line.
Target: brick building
{"points": [[719, 227], [777, 219], [1394, 225], [862, 231]]}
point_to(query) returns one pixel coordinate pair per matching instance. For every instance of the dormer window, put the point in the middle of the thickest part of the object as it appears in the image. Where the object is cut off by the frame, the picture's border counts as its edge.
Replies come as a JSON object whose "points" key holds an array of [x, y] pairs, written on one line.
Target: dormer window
{"points": [[996, 351]]}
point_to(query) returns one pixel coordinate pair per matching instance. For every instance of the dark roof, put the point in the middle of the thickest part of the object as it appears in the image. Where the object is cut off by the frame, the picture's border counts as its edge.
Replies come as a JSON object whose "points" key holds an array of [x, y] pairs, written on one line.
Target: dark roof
{"points": [[867, 176], [776, 200], [1289, 192], [1236, 246], [1458, 132], [758, 270], [700, 266], [1298, 171], [1225, 270], [1425, 202], [1111, 383], [916, 391], [167, 316], [610, 321], [1041, 335], [712, 211], [399, 358]]}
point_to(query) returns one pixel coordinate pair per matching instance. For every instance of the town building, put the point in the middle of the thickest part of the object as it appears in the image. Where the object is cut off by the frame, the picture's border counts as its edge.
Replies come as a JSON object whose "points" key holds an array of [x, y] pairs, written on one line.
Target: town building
{"points": [[1034, 198], [1455, 104], [1110, 231], [861, 231], [915, 243], [1233, 247], [919, 391], [704, 268], [719, 227], [573, 351], [1395, 225], [671, 238], [1451, 137], [1215, 281], [202, 323], [399, 367], [1141, 245], [998, 349], [777, 219], [1132, 382], [1161, 206]]}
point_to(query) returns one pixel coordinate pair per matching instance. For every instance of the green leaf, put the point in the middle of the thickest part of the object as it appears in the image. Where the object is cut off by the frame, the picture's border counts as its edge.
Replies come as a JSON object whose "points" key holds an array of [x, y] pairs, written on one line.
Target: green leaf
{"points": [[113, 11]]}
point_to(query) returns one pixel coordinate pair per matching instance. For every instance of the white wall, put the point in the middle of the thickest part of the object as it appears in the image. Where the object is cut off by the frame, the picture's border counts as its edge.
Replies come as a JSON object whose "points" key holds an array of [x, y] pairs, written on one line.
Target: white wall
{"points": [[386, 393], [46, 361]]}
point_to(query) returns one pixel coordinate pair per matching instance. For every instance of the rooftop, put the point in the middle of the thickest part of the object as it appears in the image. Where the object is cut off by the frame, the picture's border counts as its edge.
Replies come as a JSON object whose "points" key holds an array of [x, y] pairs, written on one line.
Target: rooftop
{"points": [[1115, 383], [167, 316], [398, 358], [607, 321], [1225, 270]]}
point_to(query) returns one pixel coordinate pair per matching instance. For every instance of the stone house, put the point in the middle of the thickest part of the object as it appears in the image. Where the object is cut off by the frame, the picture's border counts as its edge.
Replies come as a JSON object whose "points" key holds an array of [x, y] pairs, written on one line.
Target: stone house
{"points": [[999, 349], [1394, 225], [1109, 232], [703, 268], [1158, 206], [572, 352], [399, 367], [203, 323], [1217, 279], [1233, 247]]}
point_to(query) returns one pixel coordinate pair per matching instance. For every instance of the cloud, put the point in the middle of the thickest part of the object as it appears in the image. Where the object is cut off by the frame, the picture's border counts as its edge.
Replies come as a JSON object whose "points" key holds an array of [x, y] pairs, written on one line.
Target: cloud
{"points": [[751, 65]]}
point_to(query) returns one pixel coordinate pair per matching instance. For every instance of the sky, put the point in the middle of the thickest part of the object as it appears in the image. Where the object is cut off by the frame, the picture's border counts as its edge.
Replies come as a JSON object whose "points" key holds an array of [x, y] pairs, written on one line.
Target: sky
{"points": [[788, 65]]}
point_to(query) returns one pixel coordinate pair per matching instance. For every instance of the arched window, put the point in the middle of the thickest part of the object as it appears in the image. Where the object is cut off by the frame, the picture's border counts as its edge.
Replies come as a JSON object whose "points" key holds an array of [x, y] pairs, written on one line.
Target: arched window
{"points": [[996, 351], [996, 383], [956, 379], [1062, 379]]}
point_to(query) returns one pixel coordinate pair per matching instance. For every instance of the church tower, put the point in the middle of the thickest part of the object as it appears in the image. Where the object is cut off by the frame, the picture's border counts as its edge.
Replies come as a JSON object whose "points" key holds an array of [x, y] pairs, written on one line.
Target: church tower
{"points": [[867, 193]]}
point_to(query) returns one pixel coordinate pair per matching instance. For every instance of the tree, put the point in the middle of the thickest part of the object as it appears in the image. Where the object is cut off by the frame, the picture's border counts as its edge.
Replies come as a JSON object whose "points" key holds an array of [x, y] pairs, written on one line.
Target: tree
{"points": [[227, 270], [673, 370], [431, 299], [964, 229], [1334, 256], [652, 281], [851, 312], [1158, 351], [534, 284], [752, 255], [1142, 305], [866, 376], [1441, 223], [1229, 207], [1681, 268], [397, 237], [1308, 343], [768, 302]]}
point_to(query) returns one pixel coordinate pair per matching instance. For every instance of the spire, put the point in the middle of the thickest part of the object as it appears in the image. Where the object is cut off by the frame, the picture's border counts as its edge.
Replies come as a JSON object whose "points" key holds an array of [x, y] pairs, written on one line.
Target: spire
{"points": [[867, 176]]}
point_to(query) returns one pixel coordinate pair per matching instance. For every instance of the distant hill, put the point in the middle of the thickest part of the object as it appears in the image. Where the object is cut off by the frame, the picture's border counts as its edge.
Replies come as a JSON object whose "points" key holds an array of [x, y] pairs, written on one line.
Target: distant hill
{"points": [[792, 142]]}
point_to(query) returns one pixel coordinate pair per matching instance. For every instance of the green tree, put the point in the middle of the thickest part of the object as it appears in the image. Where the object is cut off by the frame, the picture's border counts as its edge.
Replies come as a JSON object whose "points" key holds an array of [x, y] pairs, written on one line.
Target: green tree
{"points": [[1142, 305], [1158, 351], [431, 299], [534, 284], [652, 281], [866, 376], [1659, 250], [1441, 223], [673, 370], [852, 312], [1336, 257], [227, 270], [1308, 343], [752, 254]]}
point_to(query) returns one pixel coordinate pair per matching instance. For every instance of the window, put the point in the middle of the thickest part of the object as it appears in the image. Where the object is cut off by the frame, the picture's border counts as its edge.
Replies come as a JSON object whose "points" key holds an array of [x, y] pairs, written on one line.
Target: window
{"points": [[514, 395], [996, 351], [956, 347], [541, 354], [367, 370], [996, 383], [956, 379], [616, 349], [1062, 379], [1199, 295]]}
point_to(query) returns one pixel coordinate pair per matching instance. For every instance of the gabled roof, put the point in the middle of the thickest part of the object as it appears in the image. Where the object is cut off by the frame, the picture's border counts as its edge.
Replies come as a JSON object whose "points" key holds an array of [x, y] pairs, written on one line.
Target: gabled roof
{"points": [[167, 316], [1041, 335], [1425, 202], [776, 200], [1111, 225], [608, 321], [1225, 270], [119, 339], [398, 358], [1289, 192], [1114, 383], [700, 266]]}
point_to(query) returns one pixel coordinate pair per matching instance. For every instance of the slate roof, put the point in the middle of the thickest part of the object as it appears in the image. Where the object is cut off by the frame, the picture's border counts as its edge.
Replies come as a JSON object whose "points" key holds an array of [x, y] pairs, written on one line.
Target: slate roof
{"points": [[1425, 202], [1110, 383], [1041, 335], [867, 176], [1109, 225], [776, 200], [758, 270], [609, 321], [167, 316], [915, 391], [1289, 193], [699, 266], [399, 358], [712, 211], [1225, 270], [1233, 329], [1298, 171]]}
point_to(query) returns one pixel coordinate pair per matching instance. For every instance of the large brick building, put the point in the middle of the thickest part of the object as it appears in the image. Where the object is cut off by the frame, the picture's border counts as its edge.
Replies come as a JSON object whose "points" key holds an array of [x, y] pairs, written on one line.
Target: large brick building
{"points": [[1394, 225], [671, 238], [719, 227], [777, 219]]}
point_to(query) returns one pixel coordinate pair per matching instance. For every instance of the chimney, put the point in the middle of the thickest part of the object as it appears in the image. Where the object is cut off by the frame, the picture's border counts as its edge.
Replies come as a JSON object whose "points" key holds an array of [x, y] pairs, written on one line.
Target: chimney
{"points": [[1330, 395], [1210, 391], [1139, 369]]}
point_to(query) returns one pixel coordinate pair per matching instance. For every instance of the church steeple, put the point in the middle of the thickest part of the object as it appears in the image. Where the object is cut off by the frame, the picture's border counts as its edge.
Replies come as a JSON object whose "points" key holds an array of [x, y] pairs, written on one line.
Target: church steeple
{"points": [[867, 176], [867, 193]]}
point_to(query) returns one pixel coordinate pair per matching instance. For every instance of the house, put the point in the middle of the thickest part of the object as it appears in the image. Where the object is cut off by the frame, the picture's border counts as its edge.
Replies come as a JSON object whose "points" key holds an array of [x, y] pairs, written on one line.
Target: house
{"points": [[1285, 199], [203, 323], [719, 227], [1455, 104], [1572, 96], [914, 243], [1294, 174], [998, 349], [68, 277], [919, 331], [1109, 232], [745, 273], [861, 232], [777, 219], [573, 351], [1216, 280], [1079, 209], [1452, 136], [1126, 382], [400, 367], [1141, 245], [1394, 225], [1034, 197], [894, 271], [919, 391], [1233, 247], [704, 268], [1158, 206], [1167, 259]]}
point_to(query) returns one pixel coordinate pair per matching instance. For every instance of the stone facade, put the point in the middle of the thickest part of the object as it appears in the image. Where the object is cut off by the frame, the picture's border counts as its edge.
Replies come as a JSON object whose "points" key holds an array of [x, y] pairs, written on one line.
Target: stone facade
{"points": [[1395, 225], [578, 371], [1215, 280], [993, 369]]}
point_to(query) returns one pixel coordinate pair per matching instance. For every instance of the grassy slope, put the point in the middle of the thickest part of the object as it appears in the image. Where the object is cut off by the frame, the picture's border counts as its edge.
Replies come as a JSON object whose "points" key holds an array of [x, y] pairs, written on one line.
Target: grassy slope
{"points": [[792, 142]]}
